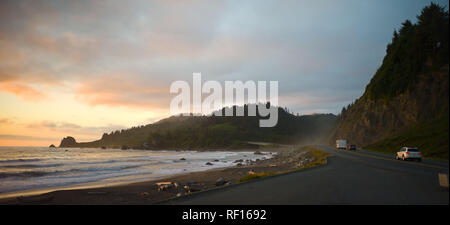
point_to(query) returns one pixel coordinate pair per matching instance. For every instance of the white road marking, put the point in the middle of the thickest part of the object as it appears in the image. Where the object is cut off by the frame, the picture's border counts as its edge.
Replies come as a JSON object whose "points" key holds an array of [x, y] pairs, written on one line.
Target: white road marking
{"points": [[443, 179]]}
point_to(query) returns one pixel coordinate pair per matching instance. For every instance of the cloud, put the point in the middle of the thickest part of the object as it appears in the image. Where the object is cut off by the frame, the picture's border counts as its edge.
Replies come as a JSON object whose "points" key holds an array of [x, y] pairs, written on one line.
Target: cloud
{"points": [[24, 91], [22, 137], [66, 127], [51, 124], [123, 90], [72, 47], [123, 57], [5, 121], [126, 55]]}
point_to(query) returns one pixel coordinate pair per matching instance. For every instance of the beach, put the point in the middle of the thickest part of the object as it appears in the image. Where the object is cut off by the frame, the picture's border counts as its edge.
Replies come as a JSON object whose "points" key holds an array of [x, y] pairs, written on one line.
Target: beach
{"points": [[277, 160], [30, 170]]}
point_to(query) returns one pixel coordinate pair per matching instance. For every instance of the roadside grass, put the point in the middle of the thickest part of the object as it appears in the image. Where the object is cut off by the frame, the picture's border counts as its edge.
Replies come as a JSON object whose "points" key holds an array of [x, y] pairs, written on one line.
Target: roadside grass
{"points": [[255, 176], [319, 158], [431, 138]]}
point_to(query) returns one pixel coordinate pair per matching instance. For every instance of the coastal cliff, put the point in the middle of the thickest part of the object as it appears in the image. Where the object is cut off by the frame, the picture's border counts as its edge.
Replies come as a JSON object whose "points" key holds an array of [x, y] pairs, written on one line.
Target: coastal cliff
{"points": [[406, 101]]}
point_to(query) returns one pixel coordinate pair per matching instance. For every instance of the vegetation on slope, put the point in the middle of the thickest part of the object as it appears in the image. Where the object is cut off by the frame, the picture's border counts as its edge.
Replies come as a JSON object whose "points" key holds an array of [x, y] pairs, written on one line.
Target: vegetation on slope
{"points": [[408, 94], [431, 138], [184, 132], [415, 48]]}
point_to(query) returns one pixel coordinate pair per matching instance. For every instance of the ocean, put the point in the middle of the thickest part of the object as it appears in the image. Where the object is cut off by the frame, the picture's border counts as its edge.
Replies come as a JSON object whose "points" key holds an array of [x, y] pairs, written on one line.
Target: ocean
{"points": [[38, 169]]}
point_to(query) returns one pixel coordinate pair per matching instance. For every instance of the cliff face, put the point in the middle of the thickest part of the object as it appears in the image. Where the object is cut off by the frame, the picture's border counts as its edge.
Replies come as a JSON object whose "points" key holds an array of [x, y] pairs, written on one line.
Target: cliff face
{"points": [[408, 92], [68, 142], [368, 121]]}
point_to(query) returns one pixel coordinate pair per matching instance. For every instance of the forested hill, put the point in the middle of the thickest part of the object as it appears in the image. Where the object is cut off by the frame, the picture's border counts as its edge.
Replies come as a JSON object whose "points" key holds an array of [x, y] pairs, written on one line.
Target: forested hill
{"points": [[406, 101], [186, 132]]}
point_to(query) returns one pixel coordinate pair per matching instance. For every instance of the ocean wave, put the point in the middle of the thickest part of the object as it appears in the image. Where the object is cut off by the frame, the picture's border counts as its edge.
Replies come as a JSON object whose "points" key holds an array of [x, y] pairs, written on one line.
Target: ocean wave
{"points": [[24, 174], [24, 166], [116, 161], [27, 174], [20, 160]]}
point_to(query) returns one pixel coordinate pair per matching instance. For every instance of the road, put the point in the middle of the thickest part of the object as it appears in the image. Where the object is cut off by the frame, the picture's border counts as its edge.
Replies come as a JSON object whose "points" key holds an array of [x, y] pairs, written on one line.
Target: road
{"points": [[358, 177]]}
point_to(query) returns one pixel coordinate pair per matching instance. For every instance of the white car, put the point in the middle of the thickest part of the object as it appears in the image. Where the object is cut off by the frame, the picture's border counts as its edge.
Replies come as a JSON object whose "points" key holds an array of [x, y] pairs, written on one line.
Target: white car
{"points": [[407, 153]]}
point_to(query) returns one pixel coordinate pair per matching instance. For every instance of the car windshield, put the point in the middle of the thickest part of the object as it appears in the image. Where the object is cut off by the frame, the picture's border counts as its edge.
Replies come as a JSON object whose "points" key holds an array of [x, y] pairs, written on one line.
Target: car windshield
{"points": [[413, 150]]}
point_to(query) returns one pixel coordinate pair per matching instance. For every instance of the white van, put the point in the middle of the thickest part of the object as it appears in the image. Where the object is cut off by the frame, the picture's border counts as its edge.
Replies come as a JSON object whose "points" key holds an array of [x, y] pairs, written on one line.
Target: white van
{"points": [[341, 144]]}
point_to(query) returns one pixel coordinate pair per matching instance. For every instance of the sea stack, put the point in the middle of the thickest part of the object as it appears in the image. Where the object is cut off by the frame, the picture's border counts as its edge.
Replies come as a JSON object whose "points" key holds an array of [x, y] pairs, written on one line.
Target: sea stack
{"points": [[68, 142]]}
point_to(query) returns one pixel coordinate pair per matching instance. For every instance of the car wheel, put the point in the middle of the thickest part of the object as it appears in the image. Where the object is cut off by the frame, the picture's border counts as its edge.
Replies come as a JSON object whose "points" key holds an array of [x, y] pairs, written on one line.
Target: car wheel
{"points": [[396, 157], [403, 158]]}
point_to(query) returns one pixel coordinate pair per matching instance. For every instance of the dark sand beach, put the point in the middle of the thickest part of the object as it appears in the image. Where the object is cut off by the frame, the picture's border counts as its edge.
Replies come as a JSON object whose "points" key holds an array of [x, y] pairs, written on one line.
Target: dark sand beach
{"points": [[155, 191]]}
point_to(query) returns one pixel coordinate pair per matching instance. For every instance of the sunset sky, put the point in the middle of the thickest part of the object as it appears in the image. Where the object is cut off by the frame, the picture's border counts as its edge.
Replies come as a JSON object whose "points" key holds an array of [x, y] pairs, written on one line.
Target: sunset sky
{"points": [[82, 68]]}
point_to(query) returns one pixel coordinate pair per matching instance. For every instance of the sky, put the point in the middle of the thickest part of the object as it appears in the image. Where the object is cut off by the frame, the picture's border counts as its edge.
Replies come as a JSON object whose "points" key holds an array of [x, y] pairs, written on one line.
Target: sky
{"points": [[82, 68]]}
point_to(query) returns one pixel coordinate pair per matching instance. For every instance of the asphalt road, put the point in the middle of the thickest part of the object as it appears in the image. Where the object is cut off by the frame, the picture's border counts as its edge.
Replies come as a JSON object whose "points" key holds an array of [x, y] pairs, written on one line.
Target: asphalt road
{"points": [[350, 177]]}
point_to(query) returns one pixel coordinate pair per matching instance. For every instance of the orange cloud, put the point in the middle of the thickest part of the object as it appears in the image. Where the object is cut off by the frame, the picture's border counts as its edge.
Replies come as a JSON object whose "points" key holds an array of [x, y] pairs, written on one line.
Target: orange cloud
{"points": [[9, 53], [23, 91], [39, 143], [67, 45], [66, 127], [122, 90], [19, 68], [21, 140], [6, 121]]}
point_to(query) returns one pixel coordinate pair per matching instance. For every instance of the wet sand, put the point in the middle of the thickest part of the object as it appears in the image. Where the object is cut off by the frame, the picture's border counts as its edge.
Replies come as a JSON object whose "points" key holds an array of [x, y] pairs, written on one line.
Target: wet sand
{"points": [[151, 192]]}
